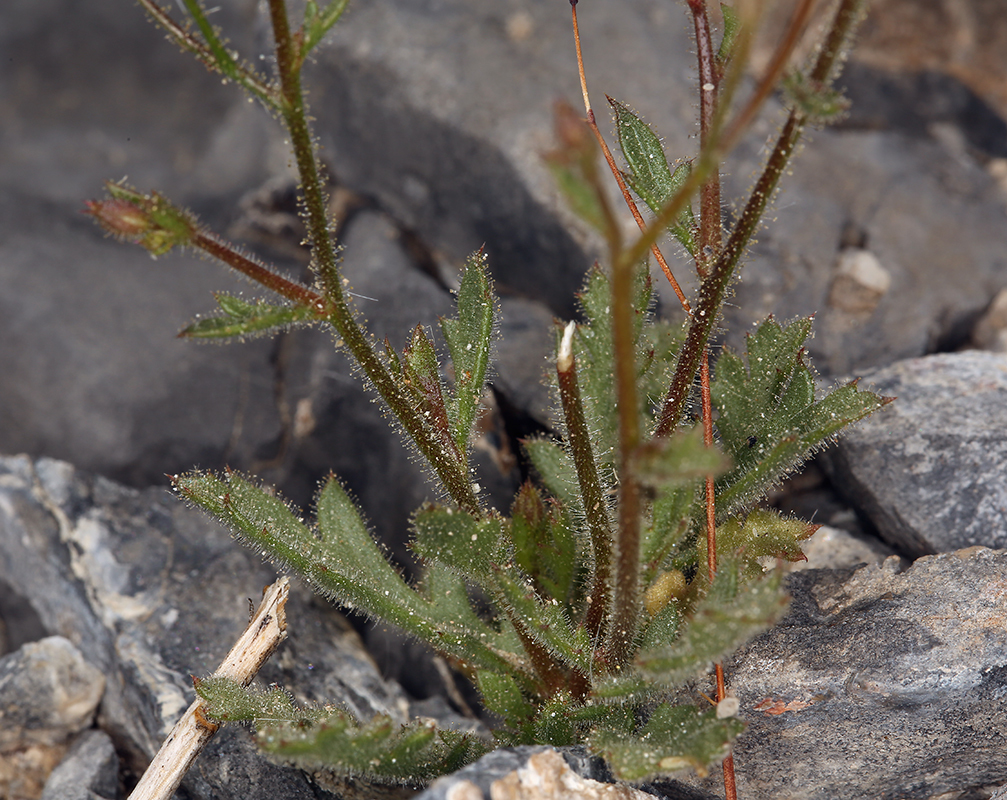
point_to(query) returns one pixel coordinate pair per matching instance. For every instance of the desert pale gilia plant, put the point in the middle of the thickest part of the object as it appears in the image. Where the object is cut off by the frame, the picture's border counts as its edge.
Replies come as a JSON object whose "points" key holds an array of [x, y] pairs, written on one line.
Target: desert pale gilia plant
{"points": [[634, 561]]}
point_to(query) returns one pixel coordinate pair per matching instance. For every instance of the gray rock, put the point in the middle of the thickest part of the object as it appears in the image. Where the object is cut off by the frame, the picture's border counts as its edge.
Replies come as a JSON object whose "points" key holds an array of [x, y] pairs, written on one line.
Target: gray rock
{"points": [[151, 592], [48, 692], [878, 684], [90, 770], [545, 773], [928, 470], [85, 322]]}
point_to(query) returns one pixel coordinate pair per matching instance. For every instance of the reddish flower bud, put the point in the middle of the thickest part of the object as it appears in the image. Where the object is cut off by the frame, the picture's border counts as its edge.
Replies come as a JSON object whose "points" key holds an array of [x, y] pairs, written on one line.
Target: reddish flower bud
{"points": [[148, 220], [119, 217]]}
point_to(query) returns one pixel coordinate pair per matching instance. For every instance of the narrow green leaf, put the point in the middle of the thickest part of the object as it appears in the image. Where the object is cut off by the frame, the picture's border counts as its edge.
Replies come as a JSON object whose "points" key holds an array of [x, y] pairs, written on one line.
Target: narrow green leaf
{"points": [[469, 338], [545, 546], [318, 23], [574, 168], [503, 696], [650, 176], [674, 738], [643, 152], [678, 460], [556, 469], [243, 318], [594, 353], [579, 194], [732, 26], [671, 515], [460, 631], [421, 379], [663, 627], [223, 60], [546, 621], [458, 540]]}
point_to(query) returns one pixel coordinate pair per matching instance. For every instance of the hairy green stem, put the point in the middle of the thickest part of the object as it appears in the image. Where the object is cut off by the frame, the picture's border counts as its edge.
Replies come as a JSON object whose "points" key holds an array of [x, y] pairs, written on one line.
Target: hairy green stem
{"points": [[626, 602], [453, 472], [595, 507], [207, 53]]}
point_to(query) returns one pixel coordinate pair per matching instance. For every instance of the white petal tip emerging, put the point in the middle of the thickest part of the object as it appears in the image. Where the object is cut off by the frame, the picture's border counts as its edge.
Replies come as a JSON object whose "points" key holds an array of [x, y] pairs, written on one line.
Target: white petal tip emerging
{"points": [[564, 361]]}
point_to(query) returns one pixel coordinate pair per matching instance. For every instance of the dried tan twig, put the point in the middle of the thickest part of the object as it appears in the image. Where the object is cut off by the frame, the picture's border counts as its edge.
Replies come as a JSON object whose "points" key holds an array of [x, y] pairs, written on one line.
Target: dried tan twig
{"points": [[265, 631]]}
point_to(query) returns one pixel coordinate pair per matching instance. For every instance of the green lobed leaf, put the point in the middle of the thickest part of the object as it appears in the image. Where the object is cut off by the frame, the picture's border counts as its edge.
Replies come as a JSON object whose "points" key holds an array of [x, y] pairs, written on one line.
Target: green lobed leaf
{"points": [[764, 533], [674, 738], [458, 540], [380, 749], [553, 723], [769, 420], [650, 176], [244, 318], [819, 103], [340, 560], [228, 701], [469, 338], [725, 619]]}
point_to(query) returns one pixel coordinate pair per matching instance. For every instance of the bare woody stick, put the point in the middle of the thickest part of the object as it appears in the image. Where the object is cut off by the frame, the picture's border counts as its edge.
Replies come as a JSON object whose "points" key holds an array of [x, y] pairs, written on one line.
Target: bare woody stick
{"points": [[265, 631]]}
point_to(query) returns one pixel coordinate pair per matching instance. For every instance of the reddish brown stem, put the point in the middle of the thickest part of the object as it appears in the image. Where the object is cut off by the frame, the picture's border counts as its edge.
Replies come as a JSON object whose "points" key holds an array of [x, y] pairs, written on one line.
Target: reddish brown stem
{"points": [[614, 168], [711, 511], [626, 600], [595, 507], [296, 292], [710, 233], [709, 193]]}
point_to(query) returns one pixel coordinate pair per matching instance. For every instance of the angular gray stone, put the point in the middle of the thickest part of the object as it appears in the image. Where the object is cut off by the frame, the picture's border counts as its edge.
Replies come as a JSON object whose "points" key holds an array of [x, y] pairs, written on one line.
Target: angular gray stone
{"points": [[545, 773], [929, 469], [48, 692], [89, 771], [152, 592], [878, 684]]}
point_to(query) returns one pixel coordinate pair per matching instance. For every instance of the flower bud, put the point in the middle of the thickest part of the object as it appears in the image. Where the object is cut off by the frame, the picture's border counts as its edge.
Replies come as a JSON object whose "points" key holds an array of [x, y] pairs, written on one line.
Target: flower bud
{"points": [[147, 220]]}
